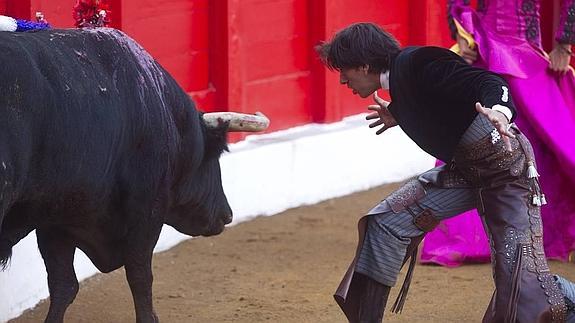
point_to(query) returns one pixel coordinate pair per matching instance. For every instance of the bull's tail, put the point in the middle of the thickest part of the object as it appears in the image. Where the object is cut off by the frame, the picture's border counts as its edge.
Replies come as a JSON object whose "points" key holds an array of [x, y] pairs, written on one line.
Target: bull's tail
{"points": [[5, 245], [5, 241], [5, 254]]}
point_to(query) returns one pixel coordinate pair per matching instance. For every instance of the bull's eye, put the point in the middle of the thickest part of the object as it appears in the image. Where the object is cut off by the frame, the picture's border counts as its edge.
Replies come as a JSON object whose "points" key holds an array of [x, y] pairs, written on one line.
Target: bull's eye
{"points": [[216, 141]]}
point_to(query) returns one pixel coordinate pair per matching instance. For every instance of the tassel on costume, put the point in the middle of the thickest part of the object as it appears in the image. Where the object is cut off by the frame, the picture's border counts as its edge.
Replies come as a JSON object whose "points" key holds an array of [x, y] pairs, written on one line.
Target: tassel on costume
{"points": [[531, 170], [402, 296], [536, 200], [537, 196]]}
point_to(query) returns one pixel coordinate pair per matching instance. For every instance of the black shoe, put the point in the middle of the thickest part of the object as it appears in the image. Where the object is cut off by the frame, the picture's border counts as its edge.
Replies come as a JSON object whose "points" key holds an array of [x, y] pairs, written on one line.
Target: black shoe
{"points": [[568, 290]]}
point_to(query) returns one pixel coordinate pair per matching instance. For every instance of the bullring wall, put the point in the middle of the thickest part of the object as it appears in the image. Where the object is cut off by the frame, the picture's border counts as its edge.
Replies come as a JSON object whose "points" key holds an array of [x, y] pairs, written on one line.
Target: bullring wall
{"points": [[257, 55]]}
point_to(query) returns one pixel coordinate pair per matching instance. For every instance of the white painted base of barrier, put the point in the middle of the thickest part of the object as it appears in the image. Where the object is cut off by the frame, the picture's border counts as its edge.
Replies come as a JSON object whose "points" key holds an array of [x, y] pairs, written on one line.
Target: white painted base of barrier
{"points": [[262, 175]]}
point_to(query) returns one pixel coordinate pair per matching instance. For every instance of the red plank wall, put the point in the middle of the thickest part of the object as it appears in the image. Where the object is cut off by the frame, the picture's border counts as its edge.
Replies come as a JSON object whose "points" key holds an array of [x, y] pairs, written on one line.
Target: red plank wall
{"points": [[269, 66], [249, 55], [174, 31]]}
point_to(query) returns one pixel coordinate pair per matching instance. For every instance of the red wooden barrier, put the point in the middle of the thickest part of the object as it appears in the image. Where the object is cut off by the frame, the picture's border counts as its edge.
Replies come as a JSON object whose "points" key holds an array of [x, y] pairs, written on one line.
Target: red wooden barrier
{"points": [[248, 55]]}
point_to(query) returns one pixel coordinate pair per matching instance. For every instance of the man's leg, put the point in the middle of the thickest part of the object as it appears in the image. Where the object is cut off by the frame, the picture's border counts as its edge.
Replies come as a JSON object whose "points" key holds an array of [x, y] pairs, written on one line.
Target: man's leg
{"points": [[525, 289], [393, 230], [510, 200], [369, 298]]}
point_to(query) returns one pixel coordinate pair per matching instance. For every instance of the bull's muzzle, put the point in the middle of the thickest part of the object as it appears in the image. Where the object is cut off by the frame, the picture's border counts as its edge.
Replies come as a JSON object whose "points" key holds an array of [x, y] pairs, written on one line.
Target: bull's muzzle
{"points": [[237, 121]]}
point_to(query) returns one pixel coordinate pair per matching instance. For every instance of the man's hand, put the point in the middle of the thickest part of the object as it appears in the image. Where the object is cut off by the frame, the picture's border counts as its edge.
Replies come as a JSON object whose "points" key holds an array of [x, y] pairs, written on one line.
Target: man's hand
{"points": [[499, 121], [386, 120], [559, 58], [467, 53]]}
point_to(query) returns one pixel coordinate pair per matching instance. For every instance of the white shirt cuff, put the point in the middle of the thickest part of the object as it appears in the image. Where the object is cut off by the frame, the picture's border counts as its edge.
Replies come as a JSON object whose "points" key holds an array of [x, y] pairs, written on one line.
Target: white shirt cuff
{"points": [[503, 109]]}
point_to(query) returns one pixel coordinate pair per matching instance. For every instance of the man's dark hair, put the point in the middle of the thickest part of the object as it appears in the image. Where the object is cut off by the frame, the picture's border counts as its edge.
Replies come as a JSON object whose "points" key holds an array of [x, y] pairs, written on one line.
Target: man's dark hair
{"points": [[358, 45]]}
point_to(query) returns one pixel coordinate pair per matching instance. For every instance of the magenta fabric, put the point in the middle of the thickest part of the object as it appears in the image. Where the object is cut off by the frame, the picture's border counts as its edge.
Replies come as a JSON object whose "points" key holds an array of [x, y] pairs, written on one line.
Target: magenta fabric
{"points": [[546, 113]]}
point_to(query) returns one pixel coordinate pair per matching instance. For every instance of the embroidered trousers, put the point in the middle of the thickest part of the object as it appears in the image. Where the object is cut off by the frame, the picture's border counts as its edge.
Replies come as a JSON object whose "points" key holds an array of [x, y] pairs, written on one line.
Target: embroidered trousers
{"points": [[502, 185]]}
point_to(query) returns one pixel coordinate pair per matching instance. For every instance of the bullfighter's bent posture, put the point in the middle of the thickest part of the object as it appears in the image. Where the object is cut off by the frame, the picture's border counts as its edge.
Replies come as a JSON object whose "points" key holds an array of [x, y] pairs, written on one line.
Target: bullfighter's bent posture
{"points": [[462, 115]]}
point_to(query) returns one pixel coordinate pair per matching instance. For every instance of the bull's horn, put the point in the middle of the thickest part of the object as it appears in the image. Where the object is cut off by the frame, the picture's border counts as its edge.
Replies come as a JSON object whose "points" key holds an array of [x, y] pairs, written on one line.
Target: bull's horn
{"points": [[237, 121]]}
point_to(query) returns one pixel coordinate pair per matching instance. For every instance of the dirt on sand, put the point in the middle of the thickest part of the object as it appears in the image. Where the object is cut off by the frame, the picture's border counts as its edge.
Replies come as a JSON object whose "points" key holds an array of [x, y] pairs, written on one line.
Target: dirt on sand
{"points": [[283, 268]]}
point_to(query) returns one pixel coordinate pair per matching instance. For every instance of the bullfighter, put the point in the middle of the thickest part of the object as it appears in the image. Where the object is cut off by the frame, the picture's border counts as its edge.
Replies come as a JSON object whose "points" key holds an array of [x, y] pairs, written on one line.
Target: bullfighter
{"points": [[462, 115]]}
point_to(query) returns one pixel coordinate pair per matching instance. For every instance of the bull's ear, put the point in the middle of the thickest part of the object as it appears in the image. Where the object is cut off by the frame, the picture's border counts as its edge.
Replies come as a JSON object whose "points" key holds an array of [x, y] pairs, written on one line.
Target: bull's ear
{"points": [[216, 140]]}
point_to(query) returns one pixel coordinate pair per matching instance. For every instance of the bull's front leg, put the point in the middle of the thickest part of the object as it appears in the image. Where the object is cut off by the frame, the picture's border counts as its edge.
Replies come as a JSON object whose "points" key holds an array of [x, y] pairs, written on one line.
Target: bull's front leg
{"points": [[138, 265], [58, 255]]}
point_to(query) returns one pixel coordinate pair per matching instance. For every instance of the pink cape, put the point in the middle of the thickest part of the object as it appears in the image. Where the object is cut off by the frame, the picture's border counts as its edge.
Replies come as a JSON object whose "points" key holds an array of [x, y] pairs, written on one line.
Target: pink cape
{"points": [[546, 114]]}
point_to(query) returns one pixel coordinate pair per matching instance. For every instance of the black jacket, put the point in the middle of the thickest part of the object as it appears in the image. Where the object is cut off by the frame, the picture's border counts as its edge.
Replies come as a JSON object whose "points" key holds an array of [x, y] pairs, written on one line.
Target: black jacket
{"points": [[433, 93]]}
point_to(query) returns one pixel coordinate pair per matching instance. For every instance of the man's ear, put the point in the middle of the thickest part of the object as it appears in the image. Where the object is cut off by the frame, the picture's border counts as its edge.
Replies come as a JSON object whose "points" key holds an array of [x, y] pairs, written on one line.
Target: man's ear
{"points": [[365, 68]]}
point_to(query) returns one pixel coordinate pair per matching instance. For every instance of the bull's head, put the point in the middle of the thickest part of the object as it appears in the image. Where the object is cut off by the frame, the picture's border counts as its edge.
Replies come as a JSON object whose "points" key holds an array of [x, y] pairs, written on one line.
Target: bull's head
{"points": [[204, 210]]}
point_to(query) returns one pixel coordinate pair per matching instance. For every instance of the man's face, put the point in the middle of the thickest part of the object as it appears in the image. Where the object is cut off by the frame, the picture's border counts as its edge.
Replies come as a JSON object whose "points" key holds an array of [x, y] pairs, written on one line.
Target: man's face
{"points": [[359, 80]]}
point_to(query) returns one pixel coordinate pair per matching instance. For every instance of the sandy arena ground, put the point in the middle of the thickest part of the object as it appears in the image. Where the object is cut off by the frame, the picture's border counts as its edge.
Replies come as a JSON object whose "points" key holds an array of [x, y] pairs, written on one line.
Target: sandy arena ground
{"points": [[283, 268]]}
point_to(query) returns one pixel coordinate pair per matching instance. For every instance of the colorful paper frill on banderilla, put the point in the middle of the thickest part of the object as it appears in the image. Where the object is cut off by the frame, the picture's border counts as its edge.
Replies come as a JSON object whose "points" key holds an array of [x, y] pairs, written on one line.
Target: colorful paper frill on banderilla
{"points": [[11, 24], [91, 13]]}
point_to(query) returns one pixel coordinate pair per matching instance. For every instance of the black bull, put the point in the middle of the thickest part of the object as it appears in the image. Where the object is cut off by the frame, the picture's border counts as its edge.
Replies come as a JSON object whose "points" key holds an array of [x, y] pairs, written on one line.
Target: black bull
{"points": [[99, 147]]}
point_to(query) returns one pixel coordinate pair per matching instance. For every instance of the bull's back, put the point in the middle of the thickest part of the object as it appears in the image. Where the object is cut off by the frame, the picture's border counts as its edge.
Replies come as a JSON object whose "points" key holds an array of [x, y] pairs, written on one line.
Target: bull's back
{"points": [[88, 108]]}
